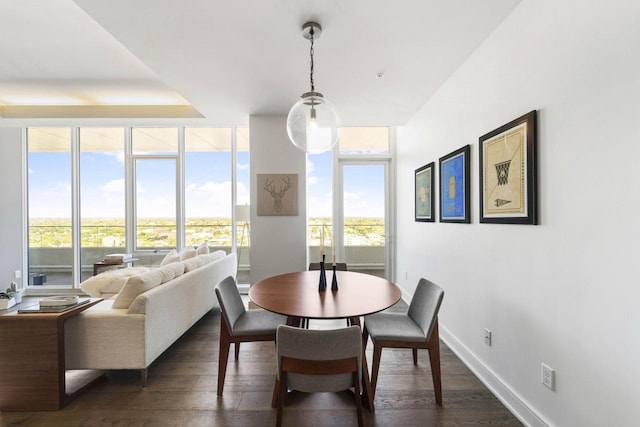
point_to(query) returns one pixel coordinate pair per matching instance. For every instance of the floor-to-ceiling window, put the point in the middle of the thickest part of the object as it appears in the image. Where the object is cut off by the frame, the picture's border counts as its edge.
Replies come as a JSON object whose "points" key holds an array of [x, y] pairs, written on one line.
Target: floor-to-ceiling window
{"points": [[243, 210], [102, 195], [155, 174], [349, 201], [363, 209], [320, 206], [208, 188], [50, 231], [143, 190]]}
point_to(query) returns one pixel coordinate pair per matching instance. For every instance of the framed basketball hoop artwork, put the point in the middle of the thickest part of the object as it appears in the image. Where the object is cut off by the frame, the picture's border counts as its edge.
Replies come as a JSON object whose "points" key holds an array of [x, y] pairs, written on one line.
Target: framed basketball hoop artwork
{"points": [[508, 173]]}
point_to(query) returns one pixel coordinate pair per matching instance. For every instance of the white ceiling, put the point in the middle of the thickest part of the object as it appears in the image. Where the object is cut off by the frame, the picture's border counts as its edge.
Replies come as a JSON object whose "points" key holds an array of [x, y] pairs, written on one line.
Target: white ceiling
{"points": [[225, 60]]}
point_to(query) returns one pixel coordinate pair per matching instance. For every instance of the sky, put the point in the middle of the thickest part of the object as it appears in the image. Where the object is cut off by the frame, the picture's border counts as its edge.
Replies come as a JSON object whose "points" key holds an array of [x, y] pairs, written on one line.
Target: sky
{"points": [[207, 186]]}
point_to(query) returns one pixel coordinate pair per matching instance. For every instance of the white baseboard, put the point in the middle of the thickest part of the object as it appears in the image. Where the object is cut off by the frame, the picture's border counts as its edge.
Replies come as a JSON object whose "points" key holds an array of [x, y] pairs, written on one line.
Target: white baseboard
{"points": [[504, 393]]}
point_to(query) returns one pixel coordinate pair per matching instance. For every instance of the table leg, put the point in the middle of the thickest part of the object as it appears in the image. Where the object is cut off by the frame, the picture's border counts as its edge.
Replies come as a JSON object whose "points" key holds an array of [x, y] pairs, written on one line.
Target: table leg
{"points": [[294, 321], [367, 394]]}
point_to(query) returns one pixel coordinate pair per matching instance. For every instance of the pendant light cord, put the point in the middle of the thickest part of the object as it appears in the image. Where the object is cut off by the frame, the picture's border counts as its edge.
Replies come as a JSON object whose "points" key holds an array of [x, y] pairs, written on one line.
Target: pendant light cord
{"points": [[311, 54]]}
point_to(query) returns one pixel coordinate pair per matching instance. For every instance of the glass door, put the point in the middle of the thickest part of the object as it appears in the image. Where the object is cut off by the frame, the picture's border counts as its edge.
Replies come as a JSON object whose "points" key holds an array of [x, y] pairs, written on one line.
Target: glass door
{"points": [[155, 208], [362, 225]]}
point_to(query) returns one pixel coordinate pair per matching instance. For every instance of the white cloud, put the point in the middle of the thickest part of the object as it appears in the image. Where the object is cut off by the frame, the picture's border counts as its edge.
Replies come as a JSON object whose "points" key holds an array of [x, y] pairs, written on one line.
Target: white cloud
{"points": [[113, 186], [54, 202], [311, 178], [156, 207], [120, 157], [320, 205], [311, 167], [242, 197], [211, 199], [357, 204]]}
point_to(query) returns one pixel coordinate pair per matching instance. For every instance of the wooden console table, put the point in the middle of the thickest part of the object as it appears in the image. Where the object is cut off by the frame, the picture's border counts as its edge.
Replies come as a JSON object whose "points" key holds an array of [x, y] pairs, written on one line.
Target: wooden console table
{"points": [[101, 265], [32, 357]]}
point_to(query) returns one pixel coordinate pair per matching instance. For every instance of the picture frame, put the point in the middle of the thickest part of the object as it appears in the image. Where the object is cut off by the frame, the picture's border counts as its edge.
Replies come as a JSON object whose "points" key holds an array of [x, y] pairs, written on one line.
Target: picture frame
{"points": [[508, 173], [454, 186], [277, 194], [424, 193]]}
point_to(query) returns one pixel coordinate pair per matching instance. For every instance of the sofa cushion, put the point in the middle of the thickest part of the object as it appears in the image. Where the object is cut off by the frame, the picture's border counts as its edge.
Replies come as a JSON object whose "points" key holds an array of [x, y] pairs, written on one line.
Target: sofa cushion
{"points": [[110, 281], [213, 256], [188, 252], [172, 256], [137, 285], [171, 271], [203, 249], [193, 263]]}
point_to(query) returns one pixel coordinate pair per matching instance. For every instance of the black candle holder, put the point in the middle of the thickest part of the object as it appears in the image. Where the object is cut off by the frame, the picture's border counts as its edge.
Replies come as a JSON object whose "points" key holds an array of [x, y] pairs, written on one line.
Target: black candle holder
{"points": [[322, 285], [334, 281]]}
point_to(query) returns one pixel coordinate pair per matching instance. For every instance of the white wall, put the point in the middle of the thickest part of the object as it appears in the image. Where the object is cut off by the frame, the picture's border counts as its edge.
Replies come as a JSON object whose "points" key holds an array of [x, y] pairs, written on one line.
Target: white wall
{"points": [[10, 205], [278, 243], [564, 292]]}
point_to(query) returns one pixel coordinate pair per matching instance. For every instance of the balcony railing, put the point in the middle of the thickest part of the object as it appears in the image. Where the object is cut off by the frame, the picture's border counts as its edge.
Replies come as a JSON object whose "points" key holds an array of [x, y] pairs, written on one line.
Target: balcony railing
{"points": [[50, 249]]}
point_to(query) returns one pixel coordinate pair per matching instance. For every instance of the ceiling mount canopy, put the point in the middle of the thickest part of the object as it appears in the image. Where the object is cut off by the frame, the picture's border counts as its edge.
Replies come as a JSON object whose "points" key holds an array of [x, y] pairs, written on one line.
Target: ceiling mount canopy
{"points": [[312, 123]]}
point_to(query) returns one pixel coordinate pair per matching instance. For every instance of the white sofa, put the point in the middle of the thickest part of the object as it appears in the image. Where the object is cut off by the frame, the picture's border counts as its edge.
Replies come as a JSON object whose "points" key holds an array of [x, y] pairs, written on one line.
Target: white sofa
{"points": [[153, 309]]}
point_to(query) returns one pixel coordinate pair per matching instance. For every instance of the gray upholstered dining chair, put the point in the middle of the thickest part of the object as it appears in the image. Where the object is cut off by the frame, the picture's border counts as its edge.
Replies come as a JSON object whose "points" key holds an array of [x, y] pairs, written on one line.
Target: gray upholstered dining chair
{"points": [[240, 325], [312, 361], [415, 329]]}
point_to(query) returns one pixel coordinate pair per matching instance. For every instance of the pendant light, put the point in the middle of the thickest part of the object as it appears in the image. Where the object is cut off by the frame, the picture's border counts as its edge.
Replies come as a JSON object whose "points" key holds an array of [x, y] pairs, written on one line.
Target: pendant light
{"points": [[312, 123]]}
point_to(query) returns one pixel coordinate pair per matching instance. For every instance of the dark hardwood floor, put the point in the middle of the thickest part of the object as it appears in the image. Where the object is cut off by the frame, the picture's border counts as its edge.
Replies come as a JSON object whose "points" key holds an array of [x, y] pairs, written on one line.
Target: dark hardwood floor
{"points": [[181, 391]]}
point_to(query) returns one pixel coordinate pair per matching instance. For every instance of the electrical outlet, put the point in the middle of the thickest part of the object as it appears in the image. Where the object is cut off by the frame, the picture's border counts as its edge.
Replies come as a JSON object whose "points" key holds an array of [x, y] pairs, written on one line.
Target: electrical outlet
{"points": [[487, 337], [17, 274], [548, 377]]}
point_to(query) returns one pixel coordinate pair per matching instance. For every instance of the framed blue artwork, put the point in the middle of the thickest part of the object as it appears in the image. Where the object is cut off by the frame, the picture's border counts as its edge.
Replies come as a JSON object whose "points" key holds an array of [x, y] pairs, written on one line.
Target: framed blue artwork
{"points": [[454, 186]]}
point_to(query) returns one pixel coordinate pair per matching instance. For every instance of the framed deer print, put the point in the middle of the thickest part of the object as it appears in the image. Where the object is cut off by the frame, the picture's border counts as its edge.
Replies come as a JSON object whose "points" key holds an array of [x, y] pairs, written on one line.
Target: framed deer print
{"points": [[277, 194], [454, 186], [508, 185]]}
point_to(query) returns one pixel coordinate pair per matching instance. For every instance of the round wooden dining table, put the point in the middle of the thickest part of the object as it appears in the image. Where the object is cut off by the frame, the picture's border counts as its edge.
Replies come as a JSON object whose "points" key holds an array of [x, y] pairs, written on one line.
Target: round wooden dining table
{"points": [[297, 296]]}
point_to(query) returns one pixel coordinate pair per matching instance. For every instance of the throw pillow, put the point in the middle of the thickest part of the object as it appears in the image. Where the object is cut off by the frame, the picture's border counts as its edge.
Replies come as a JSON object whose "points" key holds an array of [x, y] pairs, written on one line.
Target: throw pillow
{"points": [[172, 256], [110, 281], [203, 249], [188, 252], [137, 285]]}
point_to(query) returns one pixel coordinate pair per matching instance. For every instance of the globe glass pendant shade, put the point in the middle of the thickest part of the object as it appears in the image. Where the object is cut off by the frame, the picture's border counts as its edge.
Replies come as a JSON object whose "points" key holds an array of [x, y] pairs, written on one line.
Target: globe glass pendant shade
{"points": [[312, 124]]}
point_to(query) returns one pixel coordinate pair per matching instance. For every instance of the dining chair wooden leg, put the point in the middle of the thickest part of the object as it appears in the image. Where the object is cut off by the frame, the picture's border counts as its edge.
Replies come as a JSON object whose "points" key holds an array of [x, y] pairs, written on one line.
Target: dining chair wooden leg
{"points": [[237, 351], [225, 343], [415, 356], [274, 398], [368, 390], [377, 353], [365, 337], [358, 399], [434, 359], [281, 394]]}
